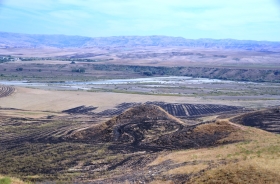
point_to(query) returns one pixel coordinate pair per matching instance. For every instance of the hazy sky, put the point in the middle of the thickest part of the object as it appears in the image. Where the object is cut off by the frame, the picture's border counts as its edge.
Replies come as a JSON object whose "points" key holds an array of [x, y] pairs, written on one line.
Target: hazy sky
{"points": [[238, 19]]}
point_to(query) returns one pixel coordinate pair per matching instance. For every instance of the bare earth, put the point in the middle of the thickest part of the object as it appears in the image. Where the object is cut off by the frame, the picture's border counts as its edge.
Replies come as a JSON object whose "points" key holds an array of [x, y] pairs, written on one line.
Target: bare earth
{"points": [[57, 101], [47, 133]]}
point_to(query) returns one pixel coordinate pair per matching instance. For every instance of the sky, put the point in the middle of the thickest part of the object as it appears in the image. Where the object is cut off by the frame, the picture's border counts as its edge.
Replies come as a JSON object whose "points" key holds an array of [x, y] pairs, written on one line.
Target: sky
{"points": [[193, 19]]}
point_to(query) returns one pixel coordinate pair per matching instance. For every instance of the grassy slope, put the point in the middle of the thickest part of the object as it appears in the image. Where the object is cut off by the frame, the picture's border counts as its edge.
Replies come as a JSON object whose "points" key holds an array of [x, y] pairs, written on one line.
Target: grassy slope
{"points": [[256, 159]]}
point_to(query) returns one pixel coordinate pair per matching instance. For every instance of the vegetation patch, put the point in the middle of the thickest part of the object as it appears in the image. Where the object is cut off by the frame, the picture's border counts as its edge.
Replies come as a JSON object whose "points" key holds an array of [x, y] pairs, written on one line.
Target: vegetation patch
{"points": [[238, 173]]}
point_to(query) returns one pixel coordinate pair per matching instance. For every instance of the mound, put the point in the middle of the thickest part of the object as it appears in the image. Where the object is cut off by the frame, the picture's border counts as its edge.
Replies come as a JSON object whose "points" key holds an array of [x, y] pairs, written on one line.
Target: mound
{"points": [[138, 125], [149, 127], [268, 120]]}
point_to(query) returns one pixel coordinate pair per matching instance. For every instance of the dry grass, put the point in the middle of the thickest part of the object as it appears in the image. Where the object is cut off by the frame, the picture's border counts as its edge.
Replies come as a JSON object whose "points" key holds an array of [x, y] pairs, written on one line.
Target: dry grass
{"points": [[54, 101], [243, 172], [256, 159], [27, 114], [162, 182], [219, 126], [253, 138], [188, 169], [160, 110]]}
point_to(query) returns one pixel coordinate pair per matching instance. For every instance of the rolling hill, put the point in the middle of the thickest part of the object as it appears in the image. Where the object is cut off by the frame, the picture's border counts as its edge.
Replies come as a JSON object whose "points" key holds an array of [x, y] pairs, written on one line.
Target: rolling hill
{"points": [[17, 40]]}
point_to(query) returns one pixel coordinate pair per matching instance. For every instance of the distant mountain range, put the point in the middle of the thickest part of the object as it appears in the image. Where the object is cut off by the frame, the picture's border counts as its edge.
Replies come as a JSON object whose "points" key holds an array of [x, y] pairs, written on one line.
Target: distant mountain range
{"points": [[16, 40]]}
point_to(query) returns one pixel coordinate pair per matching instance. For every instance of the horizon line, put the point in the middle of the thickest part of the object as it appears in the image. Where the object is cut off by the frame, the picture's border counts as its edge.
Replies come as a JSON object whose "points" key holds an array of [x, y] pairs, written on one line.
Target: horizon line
{"points": [[139, 36]]}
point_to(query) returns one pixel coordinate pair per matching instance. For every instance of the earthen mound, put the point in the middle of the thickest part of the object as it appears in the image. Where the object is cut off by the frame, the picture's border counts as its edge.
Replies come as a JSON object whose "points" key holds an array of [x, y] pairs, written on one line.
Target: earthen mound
{"points": [[149, 127], [137, 125]]}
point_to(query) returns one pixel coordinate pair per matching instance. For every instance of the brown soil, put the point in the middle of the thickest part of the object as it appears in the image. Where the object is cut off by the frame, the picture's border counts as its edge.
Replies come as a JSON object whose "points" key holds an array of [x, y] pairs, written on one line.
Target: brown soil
{"points": [[143, 144], [47, 100], [150, 128]]}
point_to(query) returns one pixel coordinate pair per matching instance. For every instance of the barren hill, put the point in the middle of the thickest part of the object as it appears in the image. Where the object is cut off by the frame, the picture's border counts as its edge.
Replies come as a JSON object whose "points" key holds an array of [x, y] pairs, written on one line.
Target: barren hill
{"points": [[149, 127], [12, 40]]}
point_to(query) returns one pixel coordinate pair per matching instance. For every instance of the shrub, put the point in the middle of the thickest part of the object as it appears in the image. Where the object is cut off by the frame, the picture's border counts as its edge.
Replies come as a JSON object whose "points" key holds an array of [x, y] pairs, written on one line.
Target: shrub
{"points": [[19, 69], [80, 70], [148, 73]]}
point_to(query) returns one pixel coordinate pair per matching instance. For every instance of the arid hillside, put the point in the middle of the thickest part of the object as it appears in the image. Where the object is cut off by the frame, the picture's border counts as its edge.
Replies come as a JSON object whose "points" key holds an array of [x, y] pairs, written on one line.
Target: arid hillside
{"points": [[142, 144], [268, 119], [149, 127], [12, 40]]}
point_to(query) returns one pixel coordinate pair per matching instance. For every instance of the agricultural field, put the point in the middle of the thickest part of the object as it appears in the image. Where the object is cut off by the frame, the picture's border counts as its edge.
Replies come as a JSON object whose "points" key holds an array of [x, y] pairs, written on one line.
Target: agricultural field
{"points": [[178, 110], [6, 91]]}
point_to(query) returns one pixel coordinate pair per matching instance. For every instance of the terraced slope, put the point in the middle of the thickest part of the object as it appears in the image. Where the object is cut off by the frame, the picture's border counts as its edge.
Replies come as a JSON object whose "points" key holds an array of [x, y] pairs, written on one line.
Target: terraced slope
{"points": [[175, 109], [268, 120], [6, 91]]}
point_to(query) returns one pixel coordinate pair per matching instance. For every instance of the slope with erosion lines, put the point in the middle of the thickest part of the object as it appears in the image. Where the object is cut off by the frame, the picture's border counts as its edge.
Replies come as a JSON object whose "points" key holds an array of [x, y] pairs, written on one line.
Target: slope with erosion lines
{"points": [[175, 109], [64, 148], [268, 120], [150, 128]]}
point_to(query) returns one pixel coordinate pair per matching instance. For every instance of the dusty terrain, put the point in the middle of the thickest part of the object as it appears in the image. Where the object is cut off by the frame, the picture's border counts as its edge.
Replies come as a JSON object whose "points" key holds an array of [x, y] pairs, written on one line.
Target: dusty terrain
{"points": [[89, 136], [59, 136], [146, 127], [65, 125], [142, 144], [57, 101]]}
